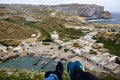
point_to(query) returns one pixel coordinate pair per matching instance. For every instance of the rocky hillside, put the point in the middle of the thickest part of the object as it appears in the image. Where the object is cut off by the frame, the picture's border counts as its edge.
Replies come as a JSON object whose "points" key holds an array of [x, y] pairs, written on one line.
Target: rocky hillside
{"points": [[85, 10], [16, 22], [18, 19], [11, 29]]}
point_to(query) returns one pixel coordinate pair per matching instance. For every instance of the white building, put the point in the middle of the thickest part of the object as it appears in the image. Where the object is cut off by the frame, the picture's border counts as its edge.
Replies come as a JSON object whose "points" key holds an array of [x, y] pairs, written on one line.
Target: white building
{"points": [[10, 50], [3, 53], [54, 35], [25, 46], [77, 27], [18, 50], [77, 50], [34, 45]]}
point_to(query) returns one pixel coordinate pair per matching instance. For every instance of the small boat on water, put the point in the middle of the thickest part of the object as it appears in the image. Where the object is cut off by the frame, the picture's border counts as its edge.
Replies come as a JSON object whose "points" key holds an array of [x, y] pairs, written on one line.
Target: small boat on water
{"points": [[42, 63], [37, 60], [45, 63]]}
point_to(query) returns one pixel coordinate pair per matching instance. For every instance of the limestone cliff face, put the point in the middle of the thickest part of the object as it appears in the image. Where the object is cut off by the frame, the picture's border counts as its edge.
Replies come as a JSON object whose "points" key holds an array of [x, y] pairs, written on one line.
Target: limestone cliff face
{"points": [[84, 10], [105, 15]]}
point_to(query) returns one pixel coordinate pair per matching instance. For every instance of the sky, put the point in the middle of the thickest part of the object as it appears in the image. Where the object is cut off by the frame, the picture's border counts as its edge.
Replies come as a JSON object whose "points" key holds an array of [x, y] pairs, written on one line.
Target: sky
{"points": [[111, 5]]}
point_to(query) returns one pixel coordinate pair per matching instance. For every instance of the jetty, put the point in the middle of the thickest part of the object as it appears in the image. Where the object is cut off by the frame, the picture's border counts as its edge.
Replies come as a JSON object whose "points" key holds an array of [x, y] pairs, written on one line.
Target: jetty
{"points": [[46, 63], [37, 60]]}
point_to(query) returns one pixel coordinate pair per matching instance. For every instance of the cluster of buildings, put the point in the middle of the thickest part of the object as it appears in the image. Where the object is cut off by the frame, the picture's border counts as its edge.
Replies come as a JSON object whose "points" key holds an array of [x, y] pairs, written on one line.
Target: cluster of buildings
{"points": [[23, 48], [55, 38], [108, 29], [103, 60]]}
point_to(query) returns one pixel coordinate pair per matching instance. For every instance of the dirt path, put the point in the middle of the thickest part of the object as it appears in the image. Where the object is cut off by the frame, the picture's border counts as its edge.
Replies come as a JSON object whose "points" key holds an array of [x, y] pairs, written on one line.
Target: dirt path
{"points": [[32, 39]]}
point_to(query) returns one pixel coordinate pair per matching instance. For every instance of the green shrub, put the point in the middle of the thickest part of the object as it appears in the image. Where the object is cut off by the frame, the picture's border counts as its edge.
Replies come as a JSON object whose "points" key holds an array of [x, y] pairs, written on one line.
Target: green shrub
{"points": [[77, 45], [9, 43], [65, 50], [21, 75], [46, 43], [47, 40], [114, 48]]}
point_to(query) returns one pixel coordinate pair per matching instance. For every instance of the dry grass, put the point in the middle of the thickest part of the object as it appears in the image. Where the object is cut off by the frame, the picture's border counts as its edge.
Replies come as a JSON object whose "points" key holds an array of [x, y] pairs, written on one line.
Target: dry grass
{"points": [[10, 30]]}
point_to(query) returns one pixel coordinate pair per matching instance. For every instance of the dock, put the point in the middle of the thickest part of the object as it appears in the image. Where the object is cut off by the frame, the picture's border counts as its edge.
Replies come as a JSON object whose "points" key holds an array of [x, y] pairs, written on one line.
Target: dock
{"points": [[45, 64], [37, 60]]}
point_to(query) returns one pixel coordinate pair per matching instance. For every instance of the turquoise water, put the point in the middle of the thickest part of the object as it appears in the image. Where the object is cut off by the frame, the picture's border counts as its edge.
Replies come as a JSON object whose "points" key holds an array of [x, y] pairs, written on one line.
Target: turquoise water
{"points": [[26, 62]]}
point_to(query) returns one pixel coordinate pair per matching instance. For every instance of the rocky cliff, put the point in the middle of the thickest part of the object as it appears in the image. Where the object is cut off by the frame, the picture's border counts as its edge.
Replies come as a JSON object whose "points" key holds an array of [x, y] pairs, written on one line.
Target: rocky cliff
{"points": [[105, 15], [85, 10]]}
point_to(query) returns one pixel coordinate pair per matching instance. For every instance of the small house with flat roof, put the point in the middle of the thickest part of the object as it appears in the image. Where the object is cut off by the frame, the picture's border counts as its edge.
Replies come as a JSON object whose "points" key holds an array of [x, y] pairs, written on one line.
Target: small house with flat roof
{"points": [[54, 36]]}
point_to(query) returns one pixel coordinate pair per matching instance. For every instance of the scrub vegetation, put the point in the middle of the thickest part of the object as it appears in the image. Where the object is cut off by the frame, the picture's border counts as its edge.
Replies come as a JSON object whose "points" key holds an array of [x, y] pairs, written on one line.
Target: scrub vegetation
{"points": [[24, 74], [109, 44]]}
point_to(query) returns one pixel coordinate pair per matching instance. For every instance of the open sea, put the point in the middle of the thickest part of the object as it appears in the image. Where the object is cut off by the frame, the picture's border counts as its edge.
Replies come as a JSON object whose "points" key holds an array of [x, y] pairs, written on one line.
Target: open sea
{"points": [[115, 19]]}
